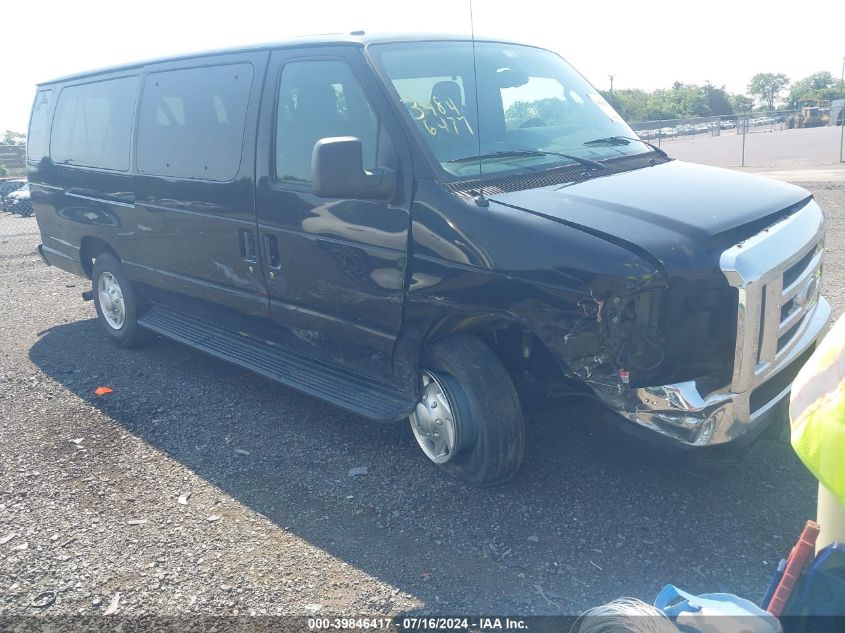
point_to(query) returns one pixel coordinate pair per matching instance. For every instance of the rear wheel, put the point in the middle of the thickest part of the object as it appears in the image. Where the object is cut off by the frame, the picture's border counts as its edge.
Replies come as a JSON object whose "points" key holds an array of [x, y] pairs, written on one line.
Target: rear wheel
{"points": [[469, 421], [114, 300]]}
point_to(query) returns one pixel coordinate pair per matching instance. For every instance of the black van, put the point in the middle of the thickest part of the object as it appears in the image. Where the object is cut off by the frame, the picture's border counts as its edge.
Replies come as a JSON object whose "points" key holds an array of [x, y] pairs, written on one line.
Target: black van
{"points": [[428, 228]]}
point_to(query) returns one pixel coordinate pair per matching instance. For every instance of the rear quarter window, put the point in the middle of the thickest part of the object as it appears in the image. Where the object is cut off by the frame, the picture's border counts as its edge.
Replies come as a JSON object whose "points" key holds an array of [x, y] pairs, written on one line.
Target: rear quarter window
{"points": [[92, 126], [38, 138], [191, 122]]}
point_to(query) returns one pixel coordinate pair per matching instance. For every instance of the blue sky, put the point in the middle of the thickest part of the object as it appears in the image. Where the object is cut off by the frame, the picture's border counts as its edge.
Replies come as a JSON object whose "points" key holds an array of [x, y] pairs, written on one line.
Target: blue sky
{"points": [[645, 45]]}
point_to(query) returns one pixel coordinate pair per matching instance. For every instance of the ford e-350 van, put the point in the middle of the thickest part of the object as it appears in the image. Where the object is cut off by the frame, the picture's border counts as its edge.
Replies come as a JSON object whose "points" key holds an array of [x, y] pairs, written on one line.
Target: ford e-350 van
{"points": [[428, 228]]}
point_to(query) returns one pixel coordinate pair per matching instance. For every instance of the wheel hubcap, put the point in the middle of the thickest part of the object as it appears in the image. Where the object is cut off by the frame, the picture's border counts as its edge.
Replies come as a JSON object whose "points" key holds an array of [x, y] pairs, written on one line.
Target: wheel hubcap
{"points": [[433, 421], [111, 301]]}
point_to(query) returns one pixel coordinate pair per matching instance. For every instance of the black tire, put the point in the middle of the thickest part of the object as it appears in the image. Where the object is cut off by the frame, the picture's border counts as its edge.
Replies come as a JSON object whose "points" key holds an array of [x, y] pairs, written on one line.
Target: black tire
{"points": [[129, 333], [485, 407]]}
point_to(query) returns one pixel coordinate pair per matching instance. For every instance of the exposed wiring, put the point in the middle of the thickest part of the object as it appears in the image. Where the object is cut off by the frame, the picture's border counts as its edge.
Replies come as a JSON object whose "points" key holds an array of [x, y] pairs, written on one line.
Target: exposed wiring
{"points": [[626, 351]]}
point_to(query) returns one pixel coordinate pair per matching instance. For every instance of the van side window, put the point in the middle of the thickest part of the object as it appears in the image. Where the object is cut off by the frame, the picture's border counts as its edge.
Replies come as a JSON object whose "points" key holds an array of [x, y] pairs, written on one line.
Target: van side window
{"points": [[92, 125], [319, 99], [38, 138], [191, 122]]}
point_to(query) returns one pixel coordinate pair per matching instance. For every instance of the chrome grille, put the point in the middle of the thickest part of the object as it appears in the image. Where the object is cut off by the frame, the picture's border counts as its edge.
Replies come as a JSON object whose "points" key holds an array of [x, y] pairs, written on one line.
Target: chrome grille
{"points": [[777, 274], [799, 296]]}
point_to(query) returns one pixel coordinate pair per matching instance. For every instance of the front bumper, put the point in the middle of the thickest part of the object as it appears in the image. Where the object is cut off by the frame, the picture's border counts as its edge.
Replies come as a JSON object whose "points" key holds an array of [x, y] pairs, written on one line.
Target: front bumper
{"points": [[781, 316], [681, 412]]}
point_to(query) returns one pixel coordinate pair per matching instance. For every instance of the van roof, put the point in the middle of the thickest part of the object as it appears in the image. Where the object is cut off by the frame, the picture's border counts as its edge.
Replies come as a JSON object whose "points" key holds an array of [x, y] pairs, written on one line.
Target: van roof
{"points": [[353, 38]]}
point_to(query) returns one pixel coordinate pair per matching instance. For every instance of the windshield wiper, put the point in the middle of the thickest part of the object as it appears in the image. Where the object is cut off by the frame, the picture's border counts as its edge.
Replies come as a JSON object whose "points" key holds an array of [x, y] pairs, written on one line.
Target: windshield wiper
{"points": [[500, 154], [625, 140], [516, 153]]}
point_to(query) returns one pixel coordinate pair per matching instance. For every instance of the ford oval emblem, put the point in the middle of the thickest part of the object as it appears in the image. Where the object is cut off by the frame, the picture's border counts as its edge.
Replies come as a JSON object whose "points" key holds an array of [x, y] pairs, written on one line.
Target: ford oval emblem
{"points": [[807, 292]]}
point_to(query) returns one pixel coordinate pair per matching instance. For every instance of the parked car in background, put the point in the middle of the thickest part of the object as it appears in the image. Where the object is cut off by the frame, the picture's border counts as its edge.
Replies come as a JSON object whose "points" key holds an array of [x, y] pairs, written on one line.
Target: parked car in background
{"points": [[19, 202], [7, 187]]}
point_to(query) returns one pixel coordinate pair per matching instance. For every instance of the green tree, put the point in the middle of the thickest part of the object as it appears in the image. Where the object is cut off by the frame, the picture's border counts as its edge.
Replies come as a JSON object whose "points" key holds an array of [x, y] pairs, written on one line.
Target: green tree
{"points": [[717, 99], [687, 100], [13, 138], [766, 87], [741, 104], [552, 111], [518, 112], [820, 85], [680, 101], [631, 104]]}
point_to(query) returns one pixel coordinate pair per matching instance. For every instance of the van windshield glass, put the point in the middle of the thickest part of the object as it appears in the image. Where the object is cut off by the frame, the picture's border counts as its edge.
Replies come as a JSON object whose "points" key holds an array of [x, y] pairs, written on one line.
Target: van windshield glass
{"points": [[534, 110]]}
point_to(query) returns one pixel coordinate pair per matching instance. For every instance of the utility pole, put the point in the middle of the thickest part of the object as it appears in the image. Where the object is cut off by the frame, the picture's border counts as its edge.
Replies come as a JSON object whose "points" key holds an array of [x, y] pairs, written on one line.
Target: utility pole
{"points": [[611, 83], [841, 112]]}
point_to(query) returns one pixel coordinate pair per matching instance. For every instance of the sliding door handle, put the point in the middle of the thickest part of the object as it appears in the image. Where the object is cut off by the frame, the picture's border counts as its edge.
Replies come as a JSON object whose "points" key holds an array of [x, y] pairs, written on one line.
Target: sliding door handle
{"points": [[246, 240], [271, 251]]}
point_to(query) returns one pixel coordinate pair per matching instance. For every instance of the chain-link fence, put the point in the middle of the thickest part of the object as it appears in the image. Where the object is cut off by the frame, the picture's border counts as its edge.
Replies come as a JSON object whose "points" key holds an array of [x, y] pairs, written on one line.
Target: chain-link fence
{"points": [[19, 234], [17, 225], [12, 160], [784, 139], [14, 199]]}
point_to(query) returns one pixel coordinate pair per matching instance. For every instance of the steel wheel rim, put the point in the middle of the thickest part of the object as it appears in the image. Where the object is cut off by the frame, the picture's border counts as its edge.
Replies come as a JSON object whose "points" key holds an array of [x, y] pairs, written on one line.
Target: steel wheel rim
{"points": [[433, 421], [112, 306]]}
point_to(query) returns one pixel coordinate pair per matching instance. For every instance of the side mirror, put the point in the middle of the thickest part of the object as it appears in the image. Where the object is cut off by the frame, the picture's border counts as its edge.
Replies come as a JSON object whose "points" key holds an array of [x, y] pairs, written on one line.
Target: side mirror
{"points": [[337, 171]]}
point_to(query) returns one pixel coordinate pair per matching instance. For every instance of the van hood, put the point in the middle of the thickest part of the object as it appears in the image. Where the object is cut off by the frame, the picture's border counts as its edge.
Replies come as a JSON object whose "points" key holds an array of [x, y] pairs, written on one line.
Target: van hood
{"points": [[681, 214]]}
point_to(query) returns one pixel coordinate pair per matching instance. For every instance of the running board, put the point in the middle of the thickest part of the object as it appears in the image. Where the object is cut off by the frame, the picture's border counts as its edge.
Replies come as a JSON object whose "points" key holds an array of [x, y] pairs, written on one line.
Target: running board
{"points": [[332, 384]]}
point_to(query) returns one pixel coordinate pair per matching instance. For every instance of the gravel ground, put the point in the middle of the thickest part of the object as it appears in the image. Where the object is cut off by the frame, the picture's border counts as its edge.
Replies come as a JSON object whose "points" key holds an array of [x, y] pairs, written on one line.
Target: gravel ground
{"points": [[198, 488]]}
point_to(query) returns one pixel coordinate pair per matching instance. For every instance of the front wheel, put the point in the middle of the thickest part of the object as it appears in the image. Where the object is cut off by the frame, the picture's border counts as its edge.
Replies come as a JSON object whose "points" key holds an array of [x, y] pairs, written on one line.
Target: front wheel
{"points": [[114, 300], [469, 421]]}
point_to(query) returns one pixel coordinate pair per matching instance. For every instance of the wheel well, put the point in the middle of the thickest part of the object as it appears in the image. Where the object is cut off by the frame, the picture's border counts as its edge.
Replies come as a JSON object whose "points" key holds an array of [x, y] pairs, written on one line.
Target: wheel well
{"points": [[88, 251], [522, 353]]}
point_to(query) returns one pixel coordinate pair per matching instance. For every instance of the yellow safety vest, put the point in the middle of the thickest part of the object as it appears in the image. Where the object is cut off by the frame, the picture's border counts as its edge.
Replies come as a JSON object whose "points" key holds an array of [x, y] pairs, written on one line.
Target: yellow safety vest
{"points": [[817, 411]]}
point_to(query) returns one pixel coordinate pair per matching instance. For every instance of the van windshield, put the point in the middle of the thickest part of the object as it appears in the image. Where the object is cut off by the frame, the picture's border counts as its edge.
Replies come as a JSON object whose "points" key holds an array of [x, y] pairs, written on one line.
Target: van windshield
{"points": [[533, 108]]}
